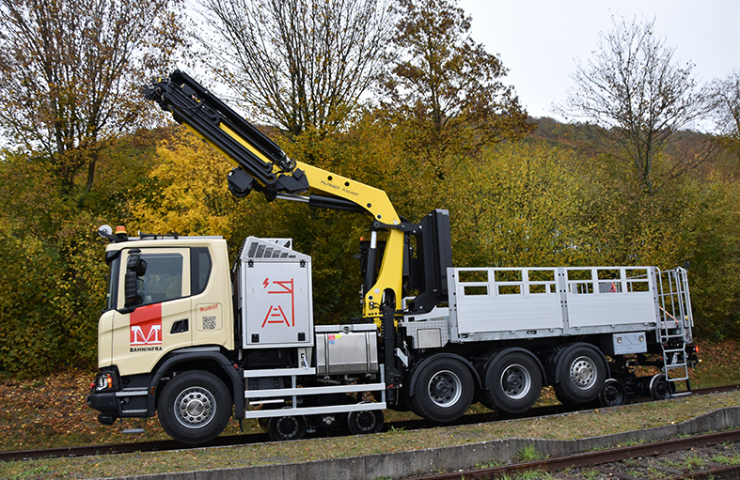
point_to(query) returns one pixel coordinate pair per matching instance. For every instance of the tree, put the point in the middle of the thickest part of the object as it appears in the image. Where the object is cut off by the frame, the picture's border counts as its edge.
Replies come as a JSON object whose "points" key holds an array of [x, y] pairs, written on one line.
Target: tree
{"points": [[300, 63], [726, 96], [632, 87], [70, 71], [189, 196], [445, 87], [52, 297], [522, 204]]}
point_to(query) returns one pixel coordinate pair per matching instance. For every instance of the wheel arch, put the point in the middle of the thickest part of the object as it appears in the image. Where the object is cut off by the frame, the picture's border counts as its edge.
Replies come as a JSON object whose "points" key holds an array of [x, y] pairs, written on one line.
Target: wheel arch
{"points": [[426, 360], [211, 361]]}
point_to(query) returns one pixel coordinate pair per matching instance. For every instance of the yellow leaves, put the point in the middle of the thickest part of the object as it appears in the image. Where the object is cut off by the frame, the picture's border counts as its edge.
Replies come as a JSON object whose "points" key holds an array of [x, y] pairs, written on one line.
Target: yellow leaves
{"points": [[193, 199]]}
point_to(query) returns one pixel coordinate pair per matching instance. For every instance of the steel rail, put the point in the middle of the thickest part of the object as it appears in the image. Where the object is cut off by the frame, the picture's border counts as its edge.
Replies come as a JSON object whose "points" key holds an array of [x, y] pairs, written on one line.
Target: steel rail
{"points": [[590, 459], [164, 445], [726, 473]]}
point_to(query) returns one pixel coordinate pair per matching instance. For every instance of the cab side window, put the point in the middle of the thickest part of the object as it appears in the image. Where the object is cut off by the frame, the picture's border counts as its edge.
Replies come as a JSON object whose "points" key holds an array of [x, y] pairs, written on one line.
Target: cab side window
{"points": [[200, 269], [163, 278]]}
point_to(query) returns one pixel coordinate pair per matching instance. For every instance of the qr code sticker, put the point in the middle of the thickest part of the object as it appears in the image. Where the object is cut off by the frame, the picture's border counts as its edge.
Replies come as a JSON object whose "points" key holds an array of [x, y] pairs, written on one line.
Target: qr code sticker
{"points": [[209, 323]]}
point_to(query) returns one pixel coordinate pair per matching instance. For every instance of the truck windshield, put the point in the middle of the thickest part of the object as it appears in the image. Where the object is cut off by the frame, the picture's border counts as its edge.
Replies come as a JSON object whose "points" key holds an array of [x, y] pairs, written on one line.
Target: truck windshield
{"points": [[111, 296]]}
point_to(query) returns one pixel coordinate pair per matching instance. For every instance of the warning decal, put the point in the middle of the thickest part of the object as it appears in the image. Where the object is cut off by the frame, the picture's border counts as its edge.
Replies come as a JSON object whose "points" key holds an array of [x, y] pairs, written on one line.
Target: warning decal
{"points": [[282, 310]]}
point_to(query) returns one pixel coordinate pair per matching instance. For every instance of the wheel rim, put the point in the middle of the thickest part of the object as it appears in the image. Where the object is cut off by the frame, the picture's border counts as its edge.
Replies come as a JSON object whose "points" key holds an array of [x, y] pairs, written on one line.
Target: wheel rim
{"points": [[613, 394], [516, 381], [445, 388], [583, 373], [660, 389], [365, 420], [195, 407], [287, 426]]}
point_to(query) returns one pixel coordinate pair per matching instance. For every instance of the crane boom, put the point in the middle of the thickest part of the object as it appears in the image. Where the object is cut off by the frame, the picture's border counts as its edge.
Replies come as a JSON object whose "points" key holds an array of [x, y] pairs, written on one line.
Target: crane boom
{"points": [[261, 165]]}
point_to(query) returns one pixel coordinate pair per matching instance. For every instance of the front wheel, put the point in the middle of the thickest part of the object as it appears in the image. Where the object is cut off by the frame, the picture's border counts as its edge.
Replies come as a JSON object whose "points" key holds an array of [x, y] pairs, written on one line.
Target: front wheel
{"points": [[194, 407], [443, 390]]}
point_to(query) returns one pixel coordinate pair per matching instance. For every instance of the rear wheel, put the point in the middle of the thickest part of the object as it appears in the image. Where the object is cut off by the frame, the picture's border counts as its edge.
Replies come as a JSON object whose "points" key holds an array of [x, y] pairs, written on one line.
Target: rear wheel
{"points": [[582, 374], [513, 382], [194, 407], [443, 390]]}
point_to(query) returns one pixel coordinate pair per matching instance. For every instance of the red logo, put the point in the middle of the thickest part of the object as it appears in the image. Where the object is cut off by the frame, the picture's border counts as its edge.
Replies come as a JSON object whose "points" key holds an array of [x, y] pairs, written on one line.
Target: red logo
{"points": [[276, 313], [146, 325]]}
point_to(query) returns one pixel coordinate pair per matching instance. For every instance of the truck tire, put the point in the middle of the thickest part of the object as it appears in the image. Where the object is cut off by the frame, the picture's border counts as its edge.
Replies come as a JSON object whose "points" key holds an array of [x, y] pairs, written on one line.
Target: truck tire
{"points": [[513, 382], [582, 373], [366, 421], [443, 390], [287, 428], [194, 407]]}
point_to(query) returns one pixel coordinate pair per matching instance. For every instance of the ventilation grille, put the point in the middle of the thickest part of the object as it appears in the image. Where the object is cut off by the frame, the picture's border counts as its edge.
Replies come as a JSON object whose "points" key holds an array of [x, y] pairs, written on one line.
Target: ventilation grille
{"points": [[270, 248]]}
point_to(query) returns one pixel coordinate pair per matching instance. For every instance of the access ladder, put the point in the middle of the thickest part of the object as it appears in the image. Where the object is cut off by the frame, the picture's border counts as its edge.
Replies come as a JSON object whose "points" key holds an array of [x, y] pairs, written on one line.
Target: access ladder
{"points": [[673, 330]]}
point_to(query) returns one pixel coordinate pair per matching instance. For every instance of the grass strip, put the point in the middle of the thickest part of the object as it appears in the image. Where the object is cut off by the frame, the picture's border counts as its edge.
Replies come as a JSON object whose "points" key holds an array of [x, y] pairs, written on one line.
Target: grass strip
{"points": [[587, 423]]}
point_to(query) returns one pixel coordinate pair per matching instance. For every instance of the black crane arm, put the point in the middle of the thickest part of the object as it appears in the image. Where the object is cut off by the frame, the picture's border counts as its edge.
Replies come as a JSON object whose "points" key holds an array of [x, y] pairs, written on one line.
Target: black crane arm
{"points": [[261, 165], [258, 157]]}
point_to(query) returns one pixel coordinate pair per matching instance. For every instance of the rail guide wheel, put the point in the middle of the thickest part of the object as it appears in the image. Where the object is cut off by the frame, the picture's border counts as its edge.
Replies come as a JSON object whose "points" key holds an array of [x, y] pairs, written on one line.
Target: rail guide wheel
{"points": [[613, 394], [661, 388], [287, 428]]}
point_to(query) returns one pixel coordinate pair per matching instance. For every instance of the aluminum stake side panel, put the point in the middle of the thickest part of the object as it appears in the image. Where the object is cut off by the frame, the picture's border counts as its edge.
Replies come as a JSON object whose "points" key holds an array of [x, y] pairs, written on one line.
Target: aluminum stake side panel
{"points": [[611, 296], [506, 303], [504, 300]]}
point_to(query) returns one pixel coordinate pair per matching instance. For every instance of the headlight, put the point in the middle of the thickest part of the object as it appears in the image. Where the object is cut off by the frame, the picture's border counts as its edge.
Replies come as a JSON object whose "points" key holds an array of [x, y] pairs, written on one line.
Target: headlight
{"points": [[105, 381]]}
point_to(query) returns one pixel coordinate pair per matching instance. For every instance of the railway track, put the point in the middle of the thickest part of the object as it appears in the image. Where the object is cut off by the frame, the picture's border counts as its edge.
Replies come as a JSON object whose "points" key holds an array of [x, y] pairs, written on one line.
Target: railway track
{"points": [[589, 460], [164, 445]]}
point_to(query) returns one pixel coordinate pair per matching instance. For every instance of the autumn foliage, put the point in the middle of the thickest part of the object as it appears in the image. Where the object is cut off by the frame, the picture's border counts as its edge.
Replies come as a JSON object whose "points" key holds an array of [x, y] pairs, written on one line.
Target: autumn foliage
{"points": [[517, 196]]}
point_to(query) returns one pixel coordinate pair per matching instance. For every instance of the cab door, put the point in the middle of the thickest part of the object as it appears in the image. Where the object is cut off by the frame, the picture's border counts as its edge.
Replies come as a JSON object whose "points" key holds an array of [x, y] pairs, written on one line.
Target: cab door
{"points": [[159, 319]]}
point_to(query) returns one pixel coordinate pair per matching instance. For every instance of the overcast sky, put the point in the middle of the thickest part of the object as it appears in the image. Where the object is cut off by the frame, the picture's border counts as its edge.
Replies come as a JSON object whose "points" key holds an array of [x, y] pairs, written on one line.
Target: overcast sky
{"points": [[539, 40]]}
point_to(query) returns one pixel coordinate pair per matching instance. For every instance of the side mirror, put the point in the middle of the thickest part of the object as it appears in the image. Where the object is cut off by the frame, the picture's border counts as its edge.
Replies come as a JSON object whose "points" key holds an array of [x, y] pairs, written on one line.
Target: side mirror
{"points": [[135, 268], [105, 231]]}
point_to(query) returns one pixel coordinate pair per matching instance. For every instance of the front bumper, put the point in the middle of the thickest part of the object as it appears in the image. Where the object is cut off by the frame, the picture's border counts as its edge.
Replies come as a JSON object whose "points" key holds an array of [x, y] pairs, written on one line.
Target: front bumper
{"points": [[116, 397], [105, 402], [103, 396]]}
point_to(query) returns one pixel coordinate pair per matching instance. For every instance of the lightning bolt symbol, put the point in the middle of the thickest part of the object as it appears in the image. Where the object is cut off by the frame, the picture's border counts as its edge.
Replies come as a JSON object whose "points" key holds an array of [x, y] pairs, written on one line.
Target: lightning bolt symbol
{"points": [[266, 282]]}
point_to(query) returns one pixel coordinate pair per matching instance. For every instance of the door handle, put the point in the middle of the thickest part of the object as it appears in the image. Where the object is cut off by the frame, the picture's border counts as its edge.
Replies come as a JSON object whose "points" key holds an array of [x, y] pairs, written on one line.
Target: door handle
{"points": [[180, 326]]}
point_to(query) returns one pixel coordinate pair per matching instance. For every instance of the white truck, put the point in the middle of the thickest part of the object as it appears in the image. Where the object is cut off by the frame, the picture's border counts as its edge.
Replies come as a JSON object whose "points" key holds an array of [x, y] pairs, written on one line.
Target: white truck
{"points": [[186, 336]]}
